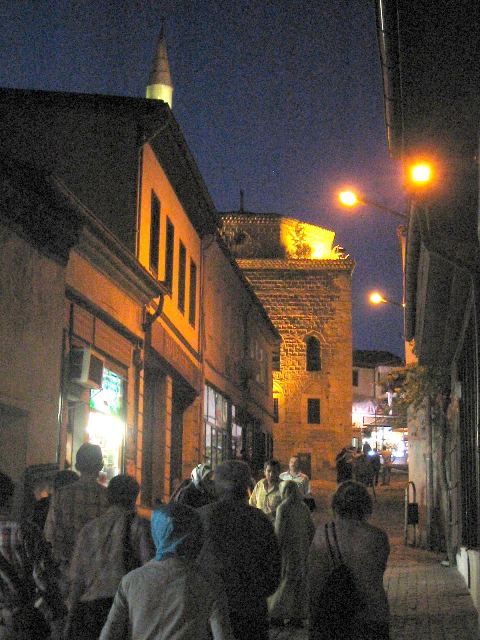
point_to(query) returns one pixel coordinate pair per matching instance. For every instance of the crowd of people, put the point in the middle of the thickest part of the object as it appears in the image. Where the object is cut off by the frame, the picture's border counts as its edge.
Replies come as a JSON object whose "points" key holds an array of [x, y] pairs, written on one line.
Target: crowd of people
{"points": [[226, 559], [365, 465]]}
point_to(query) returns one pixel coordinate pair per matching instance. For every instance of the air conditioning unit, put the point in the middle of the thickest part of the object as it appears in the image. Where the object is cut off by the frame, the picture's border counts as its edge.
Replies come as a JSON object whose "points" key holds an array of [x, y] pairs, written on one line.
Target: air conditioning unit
{"points": [[86, 368]]}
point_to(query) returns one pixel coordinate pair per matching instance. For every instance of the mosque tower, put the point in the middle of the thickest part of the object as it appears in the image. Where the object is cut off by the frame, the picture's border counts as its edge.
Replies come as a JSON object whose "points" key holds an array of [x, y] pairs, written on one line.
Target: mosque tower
{"points": [[160, 86]]}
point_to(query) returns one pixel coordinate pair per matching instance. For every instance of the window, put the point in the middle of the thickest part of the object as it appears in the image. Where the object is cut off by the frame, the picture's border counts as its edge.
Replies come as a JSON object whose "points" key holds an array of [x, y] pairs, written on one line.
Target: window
{"points": [[216, 426], [355, 378], [276, 360], [313, 410], [182, 266], [314, 362], [170, 242], [275, 411], [154, 232], [192, 309]]}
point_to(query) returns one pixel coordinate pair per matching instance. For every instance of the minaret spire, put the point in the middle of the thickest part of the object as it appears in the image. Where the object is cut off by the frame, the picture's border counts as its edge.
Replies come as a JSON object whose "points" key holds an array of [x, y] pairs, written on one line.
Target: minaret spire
{"points": [[160, 86]]}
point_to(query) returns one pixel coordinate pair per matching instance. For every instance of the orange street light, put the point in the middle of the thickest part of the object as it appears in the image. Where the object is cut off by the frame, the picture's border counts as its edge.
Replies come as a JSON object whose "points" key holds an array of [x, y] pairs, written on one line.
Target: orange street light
{"points": [[376, 297], [351, 199], [420, 173]]}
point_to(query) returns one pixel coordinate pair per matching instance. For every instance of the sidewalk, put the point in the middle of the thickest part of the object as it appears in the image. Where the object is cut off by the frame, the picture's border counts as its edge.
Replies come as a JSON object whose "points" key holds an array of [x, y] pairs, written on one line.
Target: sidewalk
{"points": [[427, 600]]}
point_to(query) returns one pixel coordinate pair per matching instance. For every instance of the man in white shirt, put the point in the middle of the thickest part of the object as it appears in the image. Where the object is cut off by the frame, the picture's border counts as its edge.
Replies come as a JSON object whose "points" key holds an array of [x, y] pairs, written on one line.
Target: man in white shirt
{"points": [[297, 476]]}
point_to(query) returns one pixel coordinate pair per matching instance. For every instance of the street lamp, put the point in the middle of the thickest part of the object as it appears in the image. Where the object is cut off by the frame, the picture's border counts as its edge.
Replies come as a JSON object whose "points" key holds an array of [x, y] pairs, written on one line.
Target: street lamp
{"points": [[419, 174], [350, 198], [375, 297]]}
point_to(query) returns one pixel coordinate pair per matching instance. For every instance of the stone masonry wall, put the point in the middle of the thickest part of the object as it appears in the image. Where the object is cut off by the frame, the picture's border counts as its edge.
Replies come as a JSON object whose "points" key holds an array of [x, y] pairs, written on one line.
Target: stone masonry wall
{"points": [[303, 298]]}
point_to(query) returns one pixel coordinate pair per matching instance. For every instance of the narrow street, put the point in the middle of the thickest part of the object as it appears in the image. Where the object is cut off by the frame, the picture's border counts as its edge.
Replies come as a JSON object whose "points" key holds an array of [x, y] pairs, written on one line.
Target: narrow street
{"points": [[427, 600]]}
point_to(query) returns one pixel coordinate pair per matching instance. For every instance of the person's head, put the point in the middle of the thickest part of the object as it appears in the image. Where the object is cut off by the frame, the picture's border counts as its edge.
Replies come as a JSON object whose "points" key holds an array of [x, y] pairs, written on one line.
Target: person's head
{"points": [[232, 479], [64, 477], [366, 448], [271, 470], [7, 488], [201, 475], [89, 458], [352, 500], [41, 488], [177, 531], [290, 490], [294, 465], [123, 490]]}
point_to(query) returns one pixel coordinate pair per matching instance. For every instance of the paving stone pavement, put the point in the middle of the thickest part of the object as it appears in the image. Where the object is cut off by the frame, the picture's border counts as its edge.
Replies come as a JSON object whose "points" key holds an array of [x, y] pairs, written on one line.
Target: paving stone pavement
{"points": [[427, 600]]}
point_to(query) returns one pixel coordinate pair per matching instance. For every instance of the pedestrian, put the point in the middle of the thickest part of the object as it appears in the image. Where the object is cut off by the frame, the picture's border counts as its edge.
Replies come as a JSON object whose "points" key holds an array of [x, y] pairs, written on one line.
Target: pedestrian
{"points": [[362, 470], [295, 530], [343, 463], [199, 491], [63, 478], [376, 465], [168, 597], [75, 504], [387, 465], [266, 494], [241, 551], [363, 550], [297, 476], [31, 607], [106, 549]]}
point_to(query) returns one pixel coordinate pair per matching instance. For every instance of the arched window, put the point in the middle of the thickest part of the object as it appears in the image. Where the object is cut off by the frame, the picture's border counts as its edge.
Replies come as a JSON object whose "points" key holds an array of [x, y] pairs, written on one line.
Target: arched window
{"points": [[314, 360]]}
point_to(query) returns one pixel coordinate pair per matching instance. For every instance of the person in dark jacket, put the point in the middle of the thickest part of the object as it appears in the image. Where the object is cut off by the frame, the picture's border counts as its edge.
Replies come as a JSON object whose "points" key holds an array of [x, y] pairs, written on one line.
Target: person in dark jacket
{"points": [[343, 463], [199, 491], [241, 551], [31, 606]]}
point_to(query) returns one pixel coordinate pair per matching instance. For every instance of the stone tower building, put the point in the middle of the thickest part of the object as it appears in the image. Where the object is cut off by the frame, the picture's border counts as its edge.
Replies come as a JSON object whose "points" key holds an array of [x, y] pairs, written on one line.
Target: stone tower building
{"points": [[304, 283]]}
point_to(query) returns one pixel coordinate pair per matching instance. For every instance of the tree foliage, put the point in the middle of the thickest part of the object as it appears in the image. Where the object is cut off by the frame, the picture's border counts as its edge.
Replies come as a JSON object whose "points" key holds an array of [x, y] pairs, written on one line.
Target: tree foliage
{"points": [[412, 384]]}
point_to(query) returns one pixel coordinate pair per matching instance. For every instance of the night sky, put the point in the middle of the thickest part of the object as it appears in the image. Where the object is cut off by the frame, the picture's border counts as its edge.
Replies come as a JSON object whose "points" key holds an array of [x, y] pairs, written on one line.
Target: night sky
{"points": [[282, 99]]}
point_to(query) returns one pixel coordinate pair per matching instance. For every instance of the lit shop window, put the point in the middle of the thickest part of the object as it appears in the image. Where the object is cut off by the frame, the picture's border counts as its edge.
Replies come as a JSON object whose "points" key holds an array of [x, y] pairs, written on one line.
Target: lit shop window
{"points": [[106, 423]]}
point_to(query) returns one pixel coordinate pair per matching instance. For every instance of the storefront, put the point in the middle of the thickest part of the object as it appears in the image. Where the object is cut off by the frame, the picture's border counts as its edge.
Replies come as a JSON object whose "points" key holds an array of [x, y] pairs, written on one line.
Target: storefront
{"points": [[97, 380], [232, 433]]}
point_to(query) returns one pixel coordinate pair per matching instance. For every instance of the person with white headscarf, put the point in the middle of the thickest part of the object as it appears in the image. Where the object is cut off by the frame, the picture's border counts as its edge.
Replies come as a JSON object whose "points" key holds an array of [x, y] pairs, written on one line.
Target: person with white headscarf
{"points": [[199, 491]]}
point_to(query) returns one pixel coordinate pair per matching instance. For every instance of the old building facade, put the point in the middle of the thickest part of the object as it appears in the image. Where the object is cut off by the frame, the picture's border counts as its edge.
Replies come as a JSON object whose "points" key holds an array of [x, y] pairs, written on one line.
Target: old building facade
{"points": [[113, 316], [305, 285]]}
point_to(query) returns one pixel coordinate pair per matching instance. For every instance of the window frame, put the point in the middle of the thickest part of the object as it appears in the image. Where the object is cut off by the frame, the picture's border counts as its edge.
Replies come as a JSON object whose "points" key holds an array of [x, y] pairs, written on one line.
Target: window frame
{"points": [[182, 276], [154, 255], [313, 413], [313, 360], [169, 254], [192, 294]]}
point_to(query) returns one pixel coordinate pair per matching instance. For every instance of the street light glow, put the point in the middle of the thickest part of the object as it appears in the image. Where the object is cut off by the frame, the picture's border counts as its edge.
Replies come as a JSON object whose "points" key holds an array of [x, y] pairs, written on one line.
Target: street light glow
{"points": [[421, 173], [348, 198], [376, 298]]}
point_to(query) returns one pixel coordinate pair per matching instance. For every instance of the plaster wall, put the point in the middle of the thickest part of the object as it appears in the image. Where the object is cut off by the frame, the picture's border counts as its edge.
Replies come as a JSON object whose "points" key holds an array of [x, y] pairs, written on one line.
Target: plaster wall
{"points": [[235, 331], [32, 295], [154, 179]]}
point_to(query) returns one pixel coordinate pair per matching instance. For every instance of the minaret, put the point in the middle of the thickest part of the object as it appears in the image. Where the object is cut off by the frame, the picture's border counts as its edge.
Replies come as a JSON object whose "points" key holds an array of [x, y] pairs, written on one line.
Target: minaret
{"points": [[160, 86]]}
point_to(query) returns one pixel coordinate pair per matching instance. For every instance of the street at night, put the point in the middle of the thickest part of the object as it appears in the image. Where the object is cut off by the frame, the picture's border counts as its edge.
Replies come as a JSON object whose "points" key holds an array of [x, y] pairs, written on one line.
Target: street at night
{"points": [[239, 320]]}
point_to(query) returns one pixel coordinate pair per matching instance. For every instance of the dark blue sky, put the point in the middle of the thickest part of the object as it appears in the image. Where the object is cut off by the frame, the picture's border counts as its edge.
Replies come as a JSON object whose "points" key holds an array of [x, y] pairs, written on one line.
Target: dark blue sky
{"points": [[280, 98]]}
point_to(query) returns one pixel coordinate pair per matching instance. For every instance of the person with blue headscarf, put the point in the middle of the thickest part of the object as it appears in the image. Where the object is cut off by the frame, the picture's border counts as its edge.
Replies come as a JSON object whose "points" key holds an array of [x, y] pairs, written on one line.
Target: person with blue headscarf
{"points": [[169, 597]]}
